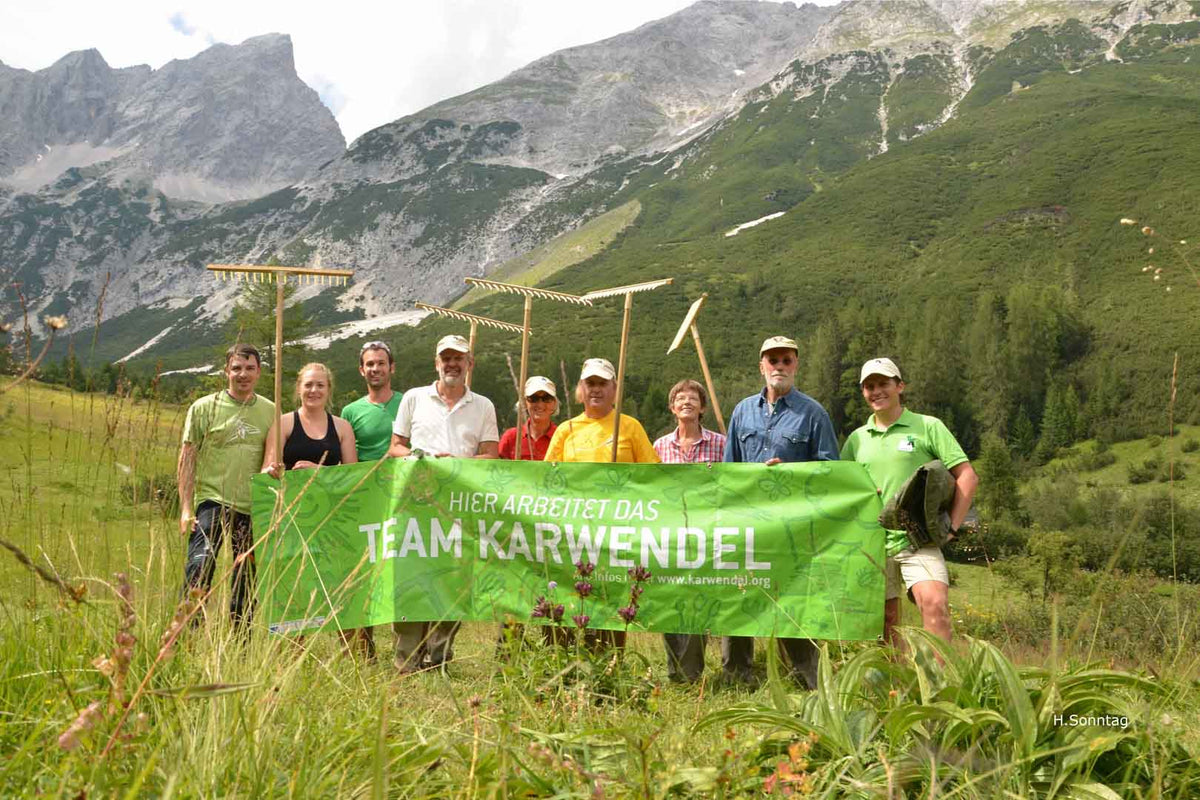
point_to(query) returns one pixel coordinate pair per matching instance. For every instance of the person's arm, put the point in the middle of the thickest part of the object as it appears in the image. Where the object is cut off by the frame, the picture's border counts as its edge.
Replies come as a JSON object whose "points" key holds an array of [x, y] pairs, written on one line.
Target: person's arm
{"points": [[185, 477], [966, 481], [488, 450], [825, 446], [399, 448], [346, 436], [489, 439], [733, 451], [271, 463], [643, 450]]}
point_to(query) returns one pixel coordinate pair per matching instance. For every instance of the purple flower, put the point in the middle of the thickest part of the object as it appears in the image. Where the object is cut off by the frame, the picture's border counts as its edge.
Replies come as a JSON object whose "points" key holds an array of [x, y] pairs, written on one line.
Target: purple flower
{"points": [[553, 585], [581, 620], [639, 574], [628, 613], [635, 592], [556, 613], [584, 568], [540, 608], [583, 588]]}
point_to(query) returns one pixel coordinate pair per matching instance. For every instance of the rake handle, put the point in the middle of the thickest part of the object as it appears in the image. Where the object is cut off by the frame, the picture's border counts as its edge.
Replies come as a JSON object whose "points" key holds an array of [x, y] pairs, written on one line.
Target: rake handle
{"points": [[621, 374]]}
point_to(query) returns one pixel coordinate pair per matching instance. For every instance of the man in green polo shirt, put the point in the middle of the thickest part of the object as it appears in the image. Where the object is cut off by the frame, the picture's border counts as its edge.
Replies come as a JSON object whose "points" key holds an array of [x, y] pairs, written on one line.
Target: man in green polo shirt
{"points": [[372, 418], [223, 439], [893, 444]]}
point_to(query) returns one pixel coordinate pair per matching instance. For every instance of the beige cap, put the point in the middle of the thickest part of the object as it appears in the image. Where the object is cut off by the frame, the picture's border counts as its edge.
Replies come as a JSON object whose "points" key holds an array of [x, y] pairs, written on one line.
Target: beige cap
{"points": [[453, 342], [879, 366], [540, 383], [598, 368], [776, 342]]}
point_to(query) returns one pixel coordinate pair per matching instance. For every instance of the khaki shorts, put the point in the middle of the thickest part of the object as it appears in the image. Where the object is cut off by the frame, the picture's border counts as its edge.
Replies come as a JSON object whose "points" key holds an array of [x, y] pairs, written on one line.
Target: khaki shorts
{"points": [[914, 566]]}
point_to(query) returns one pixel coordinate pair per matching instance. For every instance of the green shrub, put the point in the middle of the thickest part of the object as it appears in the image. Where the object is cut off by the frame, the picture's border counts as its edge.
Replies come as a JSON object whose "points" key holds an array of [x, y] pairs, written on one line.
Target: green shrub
{"points": [[1189, 446], [1146, 473]]}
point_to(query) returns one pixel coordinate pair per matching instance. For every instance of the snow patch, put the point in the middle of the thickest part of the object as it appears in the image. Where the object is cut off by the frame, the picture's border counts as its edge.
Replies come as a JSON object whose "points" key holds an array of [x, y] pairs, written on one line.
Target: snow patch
{"points": [[153, 341], [321, 341], [753, 222], [208, 369], [739, 72]]}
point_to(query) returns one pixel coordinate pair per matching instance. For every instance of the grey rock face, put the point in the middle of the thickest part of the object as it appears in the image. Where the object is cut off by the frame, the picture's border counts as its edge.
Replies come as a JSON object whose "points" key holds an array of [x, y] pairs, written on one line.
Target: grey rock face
{"points": [[234, 122], [639, 91]]}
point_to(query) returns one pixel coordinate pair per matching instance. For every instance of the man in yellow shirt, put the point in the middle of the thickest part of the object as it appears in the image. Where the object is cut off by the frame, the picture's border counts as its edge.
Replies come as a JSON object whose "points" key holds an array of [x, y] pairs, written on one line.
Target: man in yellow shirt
{"points": [[588, 437]]}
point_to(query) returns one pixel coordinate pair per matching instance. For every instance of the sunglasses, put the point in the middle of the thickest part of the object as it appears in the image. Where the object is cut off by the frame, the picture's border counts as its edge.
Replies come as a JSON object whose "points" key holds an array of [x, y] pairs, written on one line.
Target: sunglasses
{"points": [[540, 398], [376, 346]]}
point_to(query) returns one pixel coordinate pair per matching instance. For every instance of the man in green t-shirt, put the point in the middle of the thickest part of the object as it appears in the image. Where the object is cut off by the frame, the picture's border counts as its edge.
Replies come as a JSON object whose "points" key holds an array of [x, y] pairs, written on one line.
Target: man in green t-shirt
{"points": [[372, 417], [892, 444], [223, 439]]}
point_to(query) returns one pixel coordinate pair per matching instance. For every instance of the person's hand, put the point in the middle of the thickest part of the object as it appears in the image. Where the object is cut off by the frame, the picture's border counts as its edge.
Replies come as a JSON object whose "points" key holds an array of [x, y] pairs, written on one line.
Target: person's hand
{"points": [[305, 465], [274, 469], [186, 520], [770, 462]]}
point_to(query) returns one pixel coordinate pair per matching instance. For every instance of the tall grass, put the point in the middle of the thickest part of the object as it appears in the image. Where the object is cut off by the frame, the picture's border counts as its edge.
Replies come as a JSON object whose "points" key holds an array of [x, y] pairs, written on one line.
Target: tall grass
{"points": [[218, 714]]}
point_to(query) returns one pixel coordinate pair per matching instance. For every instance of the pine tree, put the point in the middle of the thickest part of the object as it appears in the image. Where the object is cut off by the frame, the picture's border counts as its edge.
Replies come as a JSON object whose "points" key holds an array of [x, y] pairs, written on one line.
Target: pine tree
{"points": [[998, 494], [1022, 436], [823, 373], [987, 372]]}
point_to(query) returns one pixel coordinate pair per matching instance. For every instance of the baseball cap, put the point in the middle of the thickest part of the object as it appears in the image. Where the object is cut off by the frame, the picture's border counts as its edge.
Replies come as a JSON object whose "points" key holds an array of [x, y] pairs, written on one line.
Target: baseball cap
{"points": [[880, 366], [453, 342], [598, 368], [539, 383], [775, 342]]}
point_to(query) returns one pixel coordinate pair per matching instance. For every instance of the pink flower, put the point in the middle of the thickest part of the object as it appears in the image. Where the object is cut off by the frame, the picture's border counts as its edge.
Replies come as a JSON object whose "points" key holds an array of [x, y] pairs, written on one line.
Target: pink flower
{"points": [[627, 613]]}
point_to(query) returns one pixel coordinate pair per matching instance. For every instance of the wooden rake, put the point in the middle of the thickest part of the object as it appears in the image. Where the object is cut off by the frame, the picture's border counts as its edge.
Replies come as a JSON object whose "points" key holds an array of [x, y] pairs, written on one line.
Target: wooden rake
{"points": [[528, 292], [689, 324], [254, 273], [627, 292]]}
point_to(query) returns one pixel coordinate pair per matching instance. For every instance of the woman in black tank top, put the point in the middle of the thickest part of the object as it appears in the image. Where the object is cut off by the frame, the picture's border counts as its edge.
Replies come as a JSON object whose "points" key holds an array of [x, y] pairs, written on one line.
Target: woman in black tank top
{"points": [[301, 449]]}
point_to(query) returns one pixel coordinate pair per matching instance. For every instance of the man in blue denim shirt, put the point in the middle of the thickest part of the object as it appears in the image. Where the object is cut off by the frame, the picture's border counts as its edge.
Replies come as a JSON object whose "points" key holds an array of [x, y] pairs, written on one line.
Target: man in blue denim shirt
{"points": [[779, 424]]}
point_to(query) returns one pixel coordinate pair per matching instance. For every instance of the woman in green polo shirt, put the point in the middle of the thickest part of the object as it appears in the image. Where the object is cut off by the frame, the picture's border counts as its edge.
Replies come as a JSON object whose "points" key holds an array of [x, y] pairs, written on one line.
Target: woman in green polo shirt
{"points": [[892, 444]]}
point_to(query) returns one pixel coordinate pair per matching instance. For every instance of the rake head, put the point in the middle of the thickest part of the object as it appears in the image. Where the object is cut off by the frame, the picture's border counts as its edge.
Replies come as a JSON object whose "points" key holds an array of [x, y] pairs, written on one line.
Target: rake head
{"points": [[528, 291], [465, 317], [618, 291], [688, 319]]}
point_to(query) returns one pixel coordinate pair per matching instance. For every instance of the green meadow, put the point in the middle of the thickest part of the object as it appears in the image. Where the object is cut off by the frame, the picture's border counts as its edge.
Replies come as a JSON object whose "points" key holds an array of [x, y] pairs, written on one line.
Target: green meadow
{"points": [[104, 693]]}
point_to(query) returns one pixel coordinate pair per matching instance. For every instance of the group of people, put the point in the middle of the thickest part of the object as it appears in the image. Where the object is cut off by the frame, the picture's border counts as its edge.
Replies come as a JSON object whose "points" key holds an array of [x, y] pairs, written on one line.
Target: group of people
{"points": [[229, 435]]}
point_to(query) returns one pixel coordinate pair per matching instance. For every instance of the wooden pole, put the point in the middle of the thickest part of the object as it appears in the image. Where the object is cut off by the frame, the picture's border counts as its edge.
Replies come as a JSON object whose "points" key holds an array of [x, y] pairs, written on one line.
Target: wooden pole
{"points": [[708, 381], [524, 377], [279, 279], [621, 373], [471, 353]]}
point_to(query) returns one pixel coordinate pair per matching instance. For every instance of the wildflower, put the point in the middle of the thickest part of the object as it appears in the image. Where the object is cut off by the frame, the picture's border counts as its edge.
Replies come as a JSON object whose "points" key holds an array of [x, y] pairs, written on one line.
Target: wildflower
{"points": [[627, 613], [56, 323], [1148, 231], [1158, 271], [1183, 241], [1128, 221], [1156, 277], [584, 568], [475, 702], [556, 613], [639, 574], [1168, 288], [583, 588], [1145, 269], [1150, 251], [581, 620], [552, 585], [69, 740], [635, 592], [541, 608]]}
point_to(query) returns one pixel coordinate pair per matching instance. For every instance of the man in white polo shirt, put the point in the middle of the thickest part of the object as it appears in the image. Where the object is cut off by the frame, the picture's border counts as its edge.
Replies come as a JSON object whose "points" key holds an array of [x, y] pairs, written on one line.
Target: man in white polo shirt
{"points": [[447, 420]]}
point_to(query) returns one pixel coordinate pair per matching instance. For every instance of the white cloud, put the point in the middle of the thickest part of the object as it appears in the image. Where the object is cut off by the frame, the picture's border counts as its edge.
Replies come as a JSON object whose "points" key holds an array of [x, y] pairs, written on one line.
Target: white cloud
{"points": [[370, 62]]}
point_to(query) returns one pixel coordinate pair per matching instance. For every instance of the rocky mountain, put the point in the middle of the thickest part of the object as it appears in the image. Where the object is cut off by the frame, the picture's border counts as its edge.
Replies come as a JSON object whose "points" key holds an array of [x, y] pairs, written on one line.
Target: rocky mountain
{"points": [[722, 114], [233, 123]]}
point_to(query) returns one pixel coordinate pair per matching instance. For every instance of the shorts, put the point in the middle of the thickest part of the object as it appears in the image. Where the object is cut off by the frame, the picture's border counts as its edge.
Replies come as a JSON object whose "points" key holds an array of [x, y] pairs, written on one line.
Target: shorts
{"points": [[914, 566]]}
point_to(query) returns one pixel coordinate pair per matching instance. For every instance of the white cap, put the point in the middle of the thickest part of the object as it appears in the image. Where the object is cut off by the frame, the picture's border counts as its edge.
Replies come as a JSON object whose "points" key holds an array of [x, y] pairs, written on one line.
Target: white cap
{"points": [[598, 368], [540, 383], [879, 366], [453, 342], [777, 342]]}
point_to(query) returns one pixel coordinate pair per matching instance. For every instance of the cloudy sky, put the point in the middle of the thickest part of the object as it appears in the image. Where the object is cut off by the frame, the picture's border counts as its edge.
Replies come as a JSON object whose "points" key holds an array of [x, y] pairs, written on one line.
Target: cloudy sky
{"points": [[371, 62]]}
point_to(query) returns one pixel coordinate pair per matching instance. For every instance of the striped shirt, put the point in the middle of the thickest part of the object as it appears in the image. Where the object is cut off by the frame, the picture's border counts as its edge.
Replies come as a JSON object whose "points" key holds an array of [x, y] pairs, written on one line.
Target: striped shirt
{"points": [[709, 449]]}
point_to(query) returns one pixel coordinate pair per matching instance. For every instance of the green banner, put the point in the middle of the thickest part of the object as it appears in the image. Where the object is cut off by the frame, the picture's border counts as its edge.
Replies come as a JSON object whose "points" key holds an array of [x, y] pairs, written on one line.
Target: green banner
{"points": [[739, 549]]}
